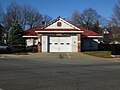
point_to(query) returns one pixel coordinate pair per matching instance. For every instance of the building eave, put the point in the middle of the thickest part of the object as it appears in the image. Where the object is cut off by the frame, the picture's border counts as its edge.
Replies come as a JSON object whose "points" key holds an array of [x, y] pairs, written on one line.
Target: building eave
{"points": [[59, 31], [93, 36], [30, 36]]}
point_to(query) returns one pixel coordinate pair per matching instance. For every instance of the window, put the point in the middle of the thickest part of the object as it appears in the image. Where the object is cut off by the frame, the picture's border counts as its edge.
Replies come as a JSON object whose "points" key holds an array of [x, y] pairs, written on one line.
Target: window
{"points": [[62, 43], [56, 43], [67, 43], [59, 24]]}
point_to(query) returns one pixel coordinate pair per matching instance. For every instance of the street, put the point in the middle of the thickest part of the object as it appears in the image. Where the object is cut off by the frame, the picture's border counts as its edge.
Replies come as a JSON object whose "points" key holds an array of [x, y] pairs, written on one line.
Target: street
{"points": [[59, 71]]}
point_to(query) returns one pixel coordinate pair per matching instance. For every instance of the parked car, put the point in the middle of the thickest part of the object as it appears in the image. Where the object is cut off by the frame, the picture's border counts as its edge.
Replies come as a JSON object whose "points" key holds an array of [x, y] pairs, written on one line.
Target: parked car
{"points": [[32, 48], [4, 48]]}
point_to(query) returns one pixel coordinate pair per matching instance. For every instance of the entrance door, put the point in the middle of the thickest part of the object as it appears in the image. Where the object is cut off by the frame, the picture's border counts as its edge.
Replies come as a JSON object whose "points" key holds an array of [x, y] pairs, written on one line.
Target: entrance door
{"points": [[60, 44]]}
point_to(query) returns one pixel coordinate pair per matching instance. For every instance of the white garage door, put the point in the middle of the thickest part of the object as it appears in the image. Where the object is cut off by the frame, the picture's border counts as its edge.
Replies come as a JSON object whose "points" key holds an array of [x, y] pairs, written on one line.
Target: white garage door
{"points": [[60, 44]]}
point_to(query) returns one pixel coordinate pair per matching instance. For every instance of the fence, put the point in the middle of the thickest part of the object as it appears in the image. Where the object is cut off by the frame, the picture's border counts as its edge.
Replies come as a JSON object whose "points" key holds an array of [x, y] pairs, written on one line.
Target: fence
{"points": [[114, 48], [104, 47]]}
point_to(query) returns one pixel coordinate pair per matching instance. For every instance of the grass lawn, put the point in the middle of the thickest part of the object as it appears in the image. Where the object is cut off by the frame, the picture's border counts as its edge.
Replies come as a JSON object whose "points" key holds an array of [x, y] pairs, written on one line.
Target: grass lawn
{"points": [[103, 54]]}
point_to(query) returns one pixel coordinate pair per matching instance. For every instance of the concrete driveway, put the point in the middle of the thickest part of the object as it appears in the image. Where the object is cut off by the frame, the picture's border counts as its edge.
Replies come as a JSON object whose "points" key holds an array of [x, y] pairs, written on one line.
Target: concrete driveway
{"points": [[58, 71]]}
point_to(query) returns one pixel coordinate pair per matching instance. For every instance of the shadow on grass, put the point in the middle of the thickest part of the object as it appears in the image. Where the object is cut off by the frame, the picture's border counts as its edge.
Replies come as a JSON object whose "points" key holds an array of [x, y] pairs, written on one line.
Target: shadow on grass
{"points": [[103, 54]]}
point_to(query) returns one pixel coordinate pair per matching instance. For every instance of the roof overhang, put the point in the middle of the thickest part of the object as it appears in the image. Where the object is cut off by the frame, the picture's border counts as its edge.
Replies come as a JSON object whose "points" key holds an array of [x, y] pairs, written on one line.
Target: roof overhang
{"points": [[93, 36], [45, 31]]}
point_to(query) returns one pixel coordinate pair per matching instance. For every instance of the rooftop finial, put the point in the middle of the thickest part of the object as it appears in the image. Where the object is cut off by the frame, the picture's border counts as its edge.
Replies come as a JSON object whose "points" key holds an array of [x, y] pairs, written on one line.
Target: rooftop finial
{"points": [[58, 16]]}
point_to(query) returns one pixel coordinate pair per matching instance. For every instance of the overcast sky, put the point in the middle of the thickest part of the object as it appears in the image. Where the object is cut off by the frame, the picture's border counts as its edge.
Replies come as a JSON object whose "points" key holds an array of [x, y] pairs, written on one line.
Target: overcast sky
{"points": [[64, 8]]}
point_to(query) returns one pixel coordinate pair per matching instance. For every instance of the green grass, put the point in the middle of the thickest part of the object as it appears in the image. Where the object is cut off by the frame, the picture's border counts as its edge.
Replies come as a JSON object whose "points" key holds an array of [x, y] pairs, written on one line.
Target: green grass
{"points": [[103, 54]]}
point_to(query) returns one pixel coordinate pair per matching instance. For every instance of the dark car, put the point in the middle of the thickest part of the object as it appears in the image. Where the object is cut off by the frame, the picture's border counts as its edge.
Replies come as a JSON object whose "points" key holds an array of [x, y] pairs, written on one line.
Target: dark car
{"points": [[4, 48], [31, 48]]}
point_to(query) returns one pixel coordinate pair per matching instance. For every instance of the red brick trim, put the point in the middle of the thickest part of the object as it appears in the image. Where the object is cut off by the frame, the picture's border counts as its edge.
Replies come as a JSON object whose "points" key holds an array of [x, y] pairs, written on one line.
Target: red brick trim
{"points": [[79, 42], [39, 43]]}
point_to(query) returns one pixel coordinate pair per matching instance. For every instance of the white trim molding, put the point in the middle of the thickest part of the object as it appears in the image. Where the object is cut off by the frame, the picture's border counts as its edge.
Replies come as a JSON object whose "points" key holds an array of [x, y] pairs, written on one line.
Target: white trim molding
{"points": [[59, 31], [69, 24], [93, 36], [30, 36]]}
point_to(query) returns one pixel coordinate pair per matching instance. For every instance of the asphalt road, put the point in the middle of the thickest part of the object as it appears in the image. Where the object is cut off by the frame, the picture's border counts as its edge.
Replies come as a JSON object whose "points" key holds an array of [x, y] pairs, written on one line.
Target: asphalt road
{"points": [[58, 72]]}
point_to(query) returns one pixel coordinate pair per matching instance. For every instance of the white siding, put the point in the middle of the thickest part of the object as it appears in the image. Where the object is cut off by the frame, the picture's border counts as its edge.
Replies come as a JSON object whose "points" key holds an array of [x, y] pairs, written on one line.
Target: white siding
{"points": [[74, 43], [64, 26], [44, 43], [36, 41], [96, 40], [29, 42]]}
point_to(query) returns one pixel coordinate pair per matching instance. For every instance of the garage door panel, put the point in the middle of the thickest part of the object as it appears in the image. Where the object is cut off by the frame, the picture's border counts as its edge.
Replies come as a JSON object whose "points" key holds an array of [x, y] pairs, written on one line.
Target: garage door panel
{"points": [[60, 44], [64, 46], [54, 44]]}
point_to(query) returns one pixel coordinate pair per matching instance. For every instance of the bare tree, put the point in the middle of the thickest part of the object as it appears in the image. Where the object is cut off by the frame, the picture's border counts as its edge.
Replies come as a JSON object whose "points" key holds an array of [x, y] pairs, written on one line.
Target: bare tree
{"points": [[27, 16], [1, 27], [116, 15], [87, 19], [46, 18], [31, 16], [1, 14], [13, 13], [77, 18], [1, 24], [114, 34], [114, 24]]}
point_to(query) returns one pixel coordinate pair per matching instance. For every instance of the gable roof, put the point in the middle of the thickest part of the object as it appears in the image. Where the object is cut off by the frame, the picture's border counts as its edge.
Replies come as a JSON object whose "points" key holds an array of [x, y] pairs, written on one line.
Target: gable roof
{"points": [[31, 32], [59, 19], [65, 27], [87, 33]]}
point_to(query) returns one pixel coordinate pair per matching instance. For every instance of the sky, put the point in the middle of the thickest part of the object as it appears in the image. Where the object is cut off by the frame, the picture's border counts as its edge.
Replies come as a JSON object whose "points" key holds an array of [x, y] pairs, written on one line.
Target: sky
{"points": [[65, 8]]}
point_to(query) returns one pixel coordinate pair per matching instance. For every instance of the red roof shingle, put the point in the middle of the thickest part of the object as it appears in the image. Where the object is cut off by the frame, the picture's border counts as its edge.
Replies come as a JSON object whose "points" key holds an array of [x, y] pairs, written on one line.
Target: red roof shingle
{"points": [[88, 32], [31, 32]]}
